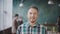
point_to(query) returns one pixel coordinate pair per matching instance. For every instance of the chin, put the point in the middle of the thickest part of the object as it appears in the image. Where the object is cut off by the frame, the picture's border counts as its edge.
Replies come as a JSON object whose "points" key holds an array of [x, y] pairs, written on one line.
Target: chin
{"points": [[32, 22]]}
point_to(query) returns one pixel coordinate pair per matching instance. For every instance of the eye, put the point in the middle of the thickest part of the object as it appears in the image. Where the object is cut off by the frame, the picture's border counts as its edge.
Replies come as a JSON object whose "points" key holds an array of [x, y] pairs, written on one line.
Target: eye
{"points": [[30, 13]]}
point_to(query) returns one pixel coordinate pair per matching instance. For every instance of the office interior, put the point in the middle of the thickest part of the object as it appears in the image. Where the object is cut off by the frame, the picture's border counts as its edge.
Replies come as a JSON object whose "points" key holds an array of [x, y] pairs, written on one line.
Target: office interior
{"points": [[49, 10]]}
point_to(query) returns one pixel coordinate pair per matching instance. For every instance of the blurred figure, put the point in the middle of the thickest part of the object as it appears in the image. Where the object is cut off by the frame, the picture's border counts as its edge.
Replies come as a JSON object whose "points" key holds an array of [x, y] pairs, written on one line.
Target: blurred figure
{"points": [[58, 24], [20, 21], [15, 24]]}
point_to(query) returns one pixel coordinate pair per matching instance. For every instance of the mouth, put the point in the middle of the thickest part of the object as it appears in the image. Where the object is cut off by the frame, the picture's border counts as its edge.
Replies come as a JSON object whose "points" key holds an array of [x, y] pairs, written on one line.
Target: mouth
{"points": [[32, 21], [32, 18]]}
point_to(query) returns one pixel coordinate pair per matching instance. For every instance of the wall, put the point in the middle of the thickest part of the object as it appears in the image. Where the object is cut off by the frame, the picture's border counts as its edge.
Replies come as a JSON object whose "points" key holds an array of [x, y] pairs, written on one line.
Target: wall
{"points": [[5, 14], [47, 13], [1, 14]]}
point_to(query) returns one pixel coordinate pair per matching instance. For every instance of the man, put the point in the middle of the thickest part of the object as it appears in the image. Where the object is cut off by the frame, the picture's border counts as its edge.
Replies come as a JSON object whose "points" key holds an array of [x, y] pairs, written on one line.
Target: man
{"points": [[31, 27], [20, 21], [58, 24], [15, 24]]}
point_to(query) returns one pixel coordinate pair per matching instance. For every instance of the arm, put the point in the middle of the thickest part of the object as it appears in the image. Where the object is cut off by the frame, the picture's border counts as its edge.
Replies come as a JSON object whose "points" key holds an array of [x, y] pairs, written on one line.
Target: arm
{"points": [[16, 25], [43, 29], [19, 30]]}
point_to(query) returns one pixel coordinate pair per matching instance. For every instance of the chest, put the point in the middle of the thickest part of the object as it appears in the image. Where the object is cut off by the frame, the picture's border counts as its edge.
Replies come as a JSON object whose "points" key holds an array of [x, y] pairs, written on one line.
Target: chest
{"points": [[31, 30]]}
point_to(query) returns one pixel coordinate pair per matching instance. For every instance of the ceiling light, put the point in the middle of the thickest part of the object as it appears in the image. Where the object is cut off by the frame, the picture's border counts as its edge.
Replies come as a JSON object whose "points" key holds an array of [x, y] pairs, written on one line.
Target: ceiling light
{"points": [[50, 2], [21, 4], [59, 5]]}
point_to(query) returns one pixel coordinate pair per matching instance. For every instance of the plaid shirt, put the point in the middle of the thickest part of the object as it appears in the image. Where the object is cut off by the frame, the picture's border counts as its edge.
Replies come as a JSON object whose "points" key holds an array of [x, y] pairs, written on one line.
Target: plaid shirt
{"points": [[27, 29]]}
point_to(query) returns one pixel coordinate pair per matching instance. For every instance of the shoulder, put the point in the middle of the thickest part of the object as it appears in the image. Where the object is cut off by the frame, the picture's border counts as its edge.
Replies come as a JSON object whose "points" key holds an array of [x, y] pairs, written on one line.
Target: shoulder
{"points": [[42, 26], [22, 25]]}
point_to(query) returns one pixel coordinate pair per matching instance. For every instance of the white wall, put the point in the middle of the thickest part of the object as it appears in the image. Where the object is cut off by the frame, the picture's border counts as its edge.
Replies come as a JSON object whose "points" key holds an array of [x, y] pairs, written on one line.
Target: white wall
{"points": [[6, 14], [1, 14]]}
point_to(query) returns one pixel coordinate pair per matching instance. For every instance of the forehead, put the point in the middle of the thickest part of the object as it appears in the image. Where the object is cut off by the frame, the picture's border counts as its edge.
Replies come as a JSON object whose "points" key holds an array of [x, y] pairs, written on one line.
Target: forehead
{"points": [[32, 10]]}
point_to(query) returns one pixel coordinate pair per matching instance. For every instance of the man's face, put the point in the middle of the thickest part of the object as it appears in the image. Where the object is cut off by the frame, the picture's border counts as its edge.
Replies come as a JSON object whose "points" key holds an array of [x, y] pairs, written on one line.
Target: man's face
{"points": [[32, 15], [16, 17]]}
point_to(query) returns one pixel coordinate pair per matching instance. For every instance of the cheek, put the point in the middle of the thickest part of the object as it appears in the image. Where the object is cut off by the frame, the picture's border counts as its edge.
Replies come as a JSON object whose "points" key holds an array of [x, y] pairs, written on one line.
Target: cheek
{"points": [[28, 16], [36, 16]]}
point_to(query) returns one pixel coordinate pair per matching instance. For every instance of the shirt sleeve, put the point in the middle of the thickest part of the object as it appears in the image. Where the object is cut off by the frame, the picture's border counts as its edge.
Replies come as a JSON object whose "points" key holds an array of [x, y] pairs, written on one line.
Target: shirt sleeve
{"points": [[45, 30], [19, 30]]}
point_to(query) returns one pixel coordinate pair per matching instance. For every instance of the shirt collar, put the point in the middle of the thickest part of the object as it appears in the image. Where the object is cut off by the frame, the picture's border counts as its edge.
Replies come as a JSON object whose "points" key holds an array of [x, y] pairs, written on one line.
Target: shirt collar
{"points": [[27, 24]]}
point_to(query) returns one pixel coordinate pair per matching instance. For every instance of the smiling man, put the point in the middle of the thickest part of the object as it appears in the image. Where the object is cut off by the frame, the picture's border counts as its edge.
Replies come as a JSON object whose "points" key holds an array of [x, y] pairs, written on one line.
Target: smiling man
{"points": [[32, 26]]}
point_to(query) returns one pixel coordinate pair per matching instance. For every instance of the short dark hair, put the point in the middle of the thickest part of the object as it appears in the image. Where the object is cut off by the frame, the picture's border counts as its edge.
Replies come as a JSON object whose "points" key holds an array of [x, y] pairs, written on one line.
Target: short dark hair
{"points": [[16, 15], [59, 16], [35, 7]]}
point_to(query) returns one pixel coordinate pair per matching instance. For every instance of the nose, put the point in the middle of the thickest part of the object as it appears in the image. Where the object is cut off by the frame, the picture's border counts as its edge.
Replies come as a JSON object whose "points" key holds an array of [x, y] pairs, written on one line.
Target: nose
{"points": [[32, 15]]}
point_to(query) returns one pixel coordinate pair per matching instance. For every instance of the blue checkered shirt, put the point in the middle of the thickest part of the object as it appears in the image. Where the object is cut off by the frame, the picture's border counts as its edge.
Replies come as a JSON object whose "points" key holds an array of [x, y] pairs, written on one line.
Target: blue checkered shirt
{"points": [[27, 29]]}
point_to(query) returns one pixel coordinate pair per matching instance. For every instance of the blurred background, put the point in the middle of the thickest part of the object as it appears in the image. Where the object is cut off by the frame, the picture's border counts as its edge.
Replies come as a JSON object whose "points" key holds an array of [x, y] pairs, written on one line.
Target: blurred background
{"points": [[49, 10]]}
